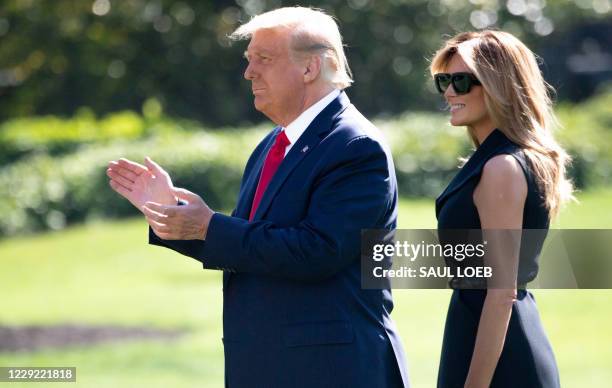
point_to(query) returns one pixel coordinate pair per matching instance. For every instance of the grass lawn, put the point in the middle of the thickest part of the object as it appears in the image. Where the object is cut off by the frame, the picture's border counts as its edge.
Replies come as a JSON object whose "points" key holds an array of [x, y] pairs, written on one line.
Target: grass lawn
{"points": [[105, 273]]}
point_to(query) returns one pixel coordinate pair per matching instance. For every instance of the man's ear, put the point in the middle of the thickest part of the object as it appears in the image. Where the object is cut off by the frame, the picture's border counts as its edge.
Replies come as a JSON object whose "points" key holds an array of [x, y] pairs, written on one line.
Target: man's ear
{"points": [[312, 68]]}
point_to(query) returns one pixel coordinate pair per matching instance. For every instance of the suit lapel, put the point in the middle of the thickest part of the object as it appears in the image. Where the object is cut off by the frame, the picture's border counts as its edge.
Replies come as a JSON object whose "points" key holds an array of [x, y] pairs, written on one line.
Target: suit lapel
{"points": [[304, 144], [311, 137], [245, 199]]}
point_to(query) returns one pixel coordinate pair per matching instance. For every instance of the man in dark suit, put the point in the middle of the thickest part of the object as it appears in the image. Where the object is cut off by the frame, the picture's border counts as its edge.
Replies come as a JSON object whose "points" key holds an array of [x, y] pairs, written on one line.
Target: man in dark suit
{"points": [[294, 313]]}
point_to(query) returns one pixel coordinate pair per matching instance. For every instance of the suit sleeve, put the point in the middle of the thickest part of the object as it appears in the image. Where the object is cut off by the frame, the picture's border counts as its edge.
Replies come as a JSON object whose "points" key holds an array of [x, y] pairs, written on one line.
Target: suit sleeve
{"points": [[187, 247], [181, 246], [354, 193]]}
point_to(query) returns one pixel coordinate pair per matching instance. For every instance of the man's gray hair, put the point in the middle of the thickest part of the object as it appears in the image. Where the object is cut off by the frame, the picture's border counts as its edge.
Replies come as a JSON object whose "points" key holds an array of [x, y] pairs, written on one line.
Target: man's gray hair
{"points": [[312, 31]]}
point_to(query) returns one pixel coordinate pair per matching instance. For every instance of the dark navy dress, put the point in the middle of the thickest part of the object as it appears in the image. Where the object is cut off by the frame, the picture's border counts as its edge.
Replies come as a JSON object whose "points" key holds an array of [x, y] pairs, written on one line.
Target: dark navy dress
{"points": [[527, 359]]}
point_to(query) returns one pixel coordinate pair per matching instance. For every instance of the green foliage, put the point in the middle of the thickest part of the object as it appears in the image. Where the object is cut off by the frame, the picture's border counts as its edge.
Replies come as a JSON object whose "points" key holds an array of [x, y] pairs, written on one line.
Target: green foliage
{"points": [[57, 56], [426, 151], [64, 181], [54, 135], [23, 137], [42, 191], [587, 135]]}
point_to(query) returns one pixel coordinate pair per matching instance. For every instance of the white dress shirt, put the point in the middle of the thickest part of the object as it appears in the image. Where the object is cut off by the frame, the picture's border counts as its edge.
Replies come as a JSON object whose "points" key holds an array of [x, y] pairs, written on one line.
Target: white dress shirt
{"points": [[299, 125]]}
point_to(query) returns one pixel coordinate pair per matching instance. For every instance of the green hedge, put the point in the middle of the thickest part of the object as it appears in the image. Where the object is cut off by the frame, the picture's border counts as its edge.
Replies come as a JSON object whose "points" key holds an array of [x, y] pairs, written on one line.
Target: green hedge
{"points": [[60, 177], [426, 150], [41, 192], [587, 136], [20, 138]]}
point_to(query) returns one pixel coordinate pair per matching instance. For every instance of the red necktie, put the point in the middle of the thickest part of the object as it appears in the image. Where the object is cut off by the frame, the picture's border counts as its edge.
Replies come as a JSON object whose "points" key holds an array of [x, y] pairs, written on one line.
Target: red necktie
{"points": [[273, 160]]}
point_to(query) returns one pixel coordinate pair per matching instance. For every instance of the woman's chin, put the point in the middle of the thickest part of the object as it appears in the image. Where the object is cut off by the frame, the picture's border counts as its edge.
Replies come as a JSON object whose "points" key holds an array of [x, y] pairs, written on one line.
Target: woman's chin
{"points": [[457, 122]]}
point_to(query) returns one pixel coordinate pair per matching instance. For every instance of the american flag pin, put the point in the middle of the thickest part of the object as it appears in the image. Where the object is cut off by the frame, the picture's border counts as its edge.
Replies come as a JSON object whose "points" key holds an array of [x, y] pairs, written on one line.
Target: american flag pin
{"points": [[304, 149]]}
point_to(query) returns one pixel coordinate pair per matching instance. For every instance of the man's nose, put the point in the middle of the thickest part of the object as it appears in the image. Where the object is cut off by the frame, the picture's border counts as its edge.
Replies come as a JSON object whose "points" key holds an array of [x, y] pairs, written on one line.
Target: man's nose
{"points": [[249, 73]]}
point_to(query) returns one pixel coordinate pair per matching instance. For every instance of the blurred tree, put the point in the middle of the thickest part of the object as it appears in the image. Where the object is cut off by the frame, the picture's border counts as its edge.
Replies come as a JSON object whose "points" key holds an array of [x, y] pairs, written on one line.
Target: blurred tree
{"points": [[57, 56]]}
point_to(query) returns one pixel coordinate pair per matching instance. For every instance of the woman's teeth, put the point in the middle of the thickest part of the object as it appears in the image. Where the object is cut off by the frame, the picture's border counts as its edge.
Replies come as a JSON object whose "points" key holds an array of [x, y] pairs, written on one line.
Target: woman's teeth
{"points": [[455, 107]]}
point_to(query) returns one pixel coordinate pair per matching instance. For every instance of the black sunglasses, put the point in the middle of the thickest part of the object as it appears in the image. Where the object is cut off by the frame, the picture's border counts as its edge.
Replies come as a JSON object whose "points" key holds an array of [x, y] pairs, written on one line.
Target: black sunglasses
{"points": [[462, 82]]}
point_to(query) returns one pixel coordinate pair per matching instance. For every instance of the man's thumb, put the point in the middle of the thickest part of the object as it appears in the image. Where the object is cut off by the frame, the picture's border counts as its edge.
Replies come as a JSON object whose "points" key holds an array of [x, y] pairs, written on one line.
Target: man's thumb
{"points": [[186, 195]]}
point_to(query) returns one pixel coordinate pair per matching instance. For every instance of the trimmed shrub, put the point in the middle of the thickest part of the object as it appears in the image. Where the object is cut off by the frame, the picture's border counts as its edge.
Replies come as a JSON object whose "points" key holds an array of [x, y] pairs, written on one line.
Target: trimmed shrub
{"points": [[42, 191], [60, 178]]}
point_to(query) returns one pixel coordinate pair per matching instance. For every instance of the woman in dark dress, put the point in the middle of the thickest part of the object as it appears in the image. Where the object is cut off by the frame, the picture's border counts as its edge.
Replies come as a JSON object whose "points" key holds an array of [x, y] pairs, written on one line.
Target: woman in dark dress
{"points": [[514, 181]]}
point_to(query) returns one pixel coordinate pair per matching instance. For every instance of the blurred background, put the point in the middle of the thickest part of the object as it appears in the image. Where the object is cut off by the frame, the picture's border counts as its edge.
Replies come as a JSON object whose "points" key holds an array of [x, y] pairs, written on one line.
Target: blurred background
{"points": [[85, 82]]}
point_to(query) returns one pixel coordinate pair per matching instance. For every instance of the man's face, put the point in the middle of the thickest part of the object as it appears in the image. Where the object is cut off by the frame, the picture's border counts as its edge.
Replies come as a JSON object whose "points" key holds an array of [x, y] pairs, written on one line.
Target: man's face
{"points": [[277, 81]]}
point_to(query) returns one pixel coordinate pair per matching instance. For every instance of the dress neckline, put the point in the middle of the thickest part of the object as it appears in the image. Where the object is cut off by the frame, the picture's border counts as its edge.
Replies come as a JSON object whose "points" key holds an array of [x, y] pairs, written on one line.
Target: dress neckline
{"points": [[492, 140]]}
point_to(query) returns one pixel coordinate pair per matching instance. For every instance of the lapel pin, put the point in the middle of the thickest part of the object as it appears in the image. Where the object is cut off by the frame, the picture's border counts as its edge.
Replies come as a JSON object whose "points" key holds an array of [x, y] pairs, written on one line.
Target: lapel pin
{"points": [[304, 149]]}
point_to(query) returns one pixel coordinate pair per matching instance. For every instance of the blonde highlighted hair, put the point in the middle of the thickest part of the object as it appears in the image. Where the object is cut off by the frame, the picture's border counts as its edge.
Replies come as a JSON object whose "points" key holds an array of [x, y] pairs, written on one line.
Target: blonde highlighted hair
{"points": [[518, 101], [312, 31]]}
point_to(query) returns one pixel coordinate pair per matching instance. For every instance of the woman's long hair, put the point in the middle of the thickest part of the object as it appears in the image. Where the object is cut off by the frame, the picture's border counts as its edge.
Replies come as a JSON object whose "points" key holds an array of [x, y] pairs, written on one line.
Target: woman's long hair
{"points": [[518, 101]]}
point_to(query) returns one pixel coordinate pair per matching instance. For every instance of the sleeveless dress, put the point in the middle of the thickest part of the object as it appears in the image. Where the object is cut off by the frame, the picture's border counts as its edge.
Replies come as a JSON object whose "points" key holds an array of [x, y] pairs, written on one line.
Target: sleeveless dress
{"points": [[527, 359]]}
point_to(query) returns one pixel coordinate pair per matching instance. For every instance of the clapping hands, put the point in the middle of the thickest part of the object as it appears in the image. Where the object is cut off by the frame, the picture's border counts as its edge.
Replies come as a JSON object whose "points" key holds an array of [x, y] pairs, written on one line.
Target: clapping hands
{"points": [[140, 184], [149, 188]]}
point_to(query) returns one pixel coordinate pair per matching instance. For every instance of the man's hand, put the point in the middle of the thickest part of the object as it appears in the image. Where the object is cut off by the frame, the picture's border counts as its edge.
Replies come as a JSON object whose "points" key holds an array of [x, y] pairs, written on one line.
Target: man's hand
{"points": [[139, 184], [188, 222]]}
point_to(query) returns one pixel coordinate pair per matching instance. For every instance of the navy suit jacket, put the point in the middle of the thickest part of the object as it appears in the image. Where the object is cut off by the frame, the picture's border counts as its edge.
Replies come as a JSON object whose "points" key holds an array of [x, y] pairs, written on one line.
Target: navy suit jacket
{"points": [[294, 312]]}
